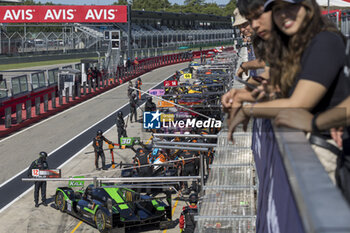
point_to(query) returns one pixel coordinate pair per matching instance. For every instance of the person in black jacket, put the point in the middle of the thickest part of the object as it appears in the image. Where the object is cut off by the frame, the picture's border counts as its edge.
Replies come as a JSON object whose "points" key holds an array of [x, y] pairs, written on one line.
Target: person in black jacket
{"points": [[121, 127], [150, 106], [40, 164], [133, 106], [141, 158], [189, 169], [97, 143], [186, 221]]}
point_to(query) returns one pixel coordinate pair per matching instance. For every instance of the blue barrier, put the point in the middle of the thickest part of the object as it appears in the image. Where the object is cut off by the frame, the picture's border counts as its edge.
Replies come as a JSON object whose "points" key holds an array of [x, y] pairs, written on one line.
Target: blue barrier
{"points": [[277, 210], [295, 193]]}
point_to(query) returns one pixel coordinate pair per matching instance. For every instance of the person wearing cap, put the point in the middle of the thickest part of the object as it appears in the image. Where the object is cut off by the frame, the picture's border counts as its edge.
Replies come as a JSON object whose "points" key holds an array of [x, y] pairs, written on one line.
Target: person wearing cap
{"points": [[97, 144], [261, 24], [306, 54], [186, 222], [40, 164]]}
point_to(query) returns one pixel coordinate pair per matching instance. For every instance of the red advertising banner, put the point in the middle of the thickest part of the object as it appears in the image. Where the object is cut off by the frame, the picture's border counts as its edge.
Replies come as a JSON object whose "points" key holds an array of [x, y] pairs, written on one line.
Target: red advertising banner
{"points": [[170, 83], [63, 14]]}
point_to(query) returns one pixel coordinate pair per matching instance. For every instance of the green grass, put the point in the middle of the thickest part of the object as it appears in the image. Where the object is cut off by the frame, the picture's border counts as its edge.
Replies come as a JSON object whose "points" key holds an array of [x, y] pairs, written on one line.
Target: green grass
{"points": [[41, 63]]}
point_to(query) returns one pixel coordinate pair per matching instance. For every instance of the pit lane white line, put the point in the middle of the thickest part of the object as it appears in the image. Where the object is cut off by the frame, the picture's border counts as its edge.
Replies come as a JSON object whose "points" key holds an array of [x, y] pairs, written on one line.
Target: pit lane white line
{"points": [[8, 205], [50, 118]]}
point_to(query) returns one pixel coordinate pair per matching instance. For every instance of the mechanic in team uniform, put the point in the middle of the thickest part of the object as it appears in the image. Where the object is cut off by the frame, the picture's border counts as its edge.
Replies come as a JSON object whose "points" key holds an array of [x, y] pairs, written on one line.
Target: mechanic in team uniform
{"points": [[138, 85], [40, 164], [130, 89], [188, 169], [187, 223], [97, 143], [141, 158], [150, 106], [121, 127], [133, 106]]}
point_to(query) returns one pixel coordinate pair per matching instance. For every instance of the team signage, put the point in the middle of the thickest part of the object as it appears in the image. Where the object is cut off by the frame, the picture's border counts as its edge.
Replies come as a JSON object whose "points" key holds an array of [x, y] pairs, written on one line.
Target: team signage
{"points": [[157, 92], [76, 183], [165, 104], [52, 173], [170, 83], [63, 14]]}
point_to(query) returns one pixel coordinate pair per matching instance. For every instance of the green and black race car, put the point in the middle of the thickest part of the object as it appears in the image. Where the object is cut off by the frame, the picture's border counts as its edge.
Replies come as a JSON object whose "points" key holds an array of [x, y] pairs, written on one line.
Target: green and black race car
{"points": [[109, 207]]}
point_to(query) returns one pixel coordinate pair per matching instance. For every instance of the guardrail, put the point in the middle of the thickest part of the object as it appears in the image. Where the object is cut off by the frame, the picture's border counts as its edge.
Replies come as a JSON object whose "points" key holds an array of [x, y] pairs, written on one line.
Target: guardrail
{"points": [[295, 193]]}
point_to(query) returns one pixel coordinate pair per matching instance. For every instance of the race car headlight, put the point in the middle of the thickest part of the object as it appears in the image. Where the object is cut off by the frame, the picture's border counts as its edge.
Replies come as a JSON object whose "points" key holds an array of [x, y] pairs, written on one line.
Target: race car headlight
{"points": [[110, 205]]}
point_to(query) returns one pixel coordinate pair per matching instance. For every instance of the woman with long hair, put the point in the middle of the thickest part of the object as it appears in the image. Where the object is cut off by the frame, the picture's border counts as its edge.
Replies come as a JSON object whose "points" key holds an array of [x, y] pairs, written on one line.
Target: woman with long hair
{"points": [[306, 54]]}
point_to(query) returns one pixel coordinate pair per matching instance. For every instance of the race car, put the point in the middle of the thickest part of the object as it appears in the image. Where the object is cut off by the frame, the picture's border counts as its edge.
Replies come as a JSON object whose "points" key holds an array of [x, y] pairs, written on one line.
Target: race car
{"points": [[108, 207]]}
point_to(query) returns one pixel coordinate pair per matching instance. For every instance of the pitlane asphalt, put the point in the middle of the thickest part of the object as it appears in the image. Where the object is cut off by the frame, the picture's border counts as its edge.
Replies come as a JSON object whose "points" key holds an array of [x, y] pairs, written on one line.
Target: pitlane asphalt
{"points": [[15, 187]]}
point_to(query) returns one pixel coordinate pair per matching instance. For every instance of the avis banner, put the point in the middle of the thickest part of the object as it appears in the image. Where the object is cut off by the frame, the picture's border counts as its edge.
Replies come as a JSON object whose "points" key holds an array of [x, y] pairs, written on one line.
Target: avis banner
{"points": [[63, 14]]}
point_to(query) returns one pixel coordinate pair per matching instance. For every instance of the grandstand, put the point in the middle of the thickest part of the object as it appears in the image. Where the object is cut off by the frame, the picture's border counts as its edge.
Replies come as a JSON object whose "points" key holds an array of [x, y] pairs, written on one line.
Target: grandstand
{"points": [[149, 30]]}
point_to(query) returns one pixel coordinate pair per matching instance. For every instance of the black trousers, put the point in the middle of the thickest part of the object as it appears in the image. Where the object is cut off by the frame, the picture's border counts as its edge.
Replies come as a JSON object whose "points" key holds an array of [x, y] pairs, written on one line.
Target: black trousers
{"points": [[121, 133], [39, 185], [103, 158], [190, 170], [133, 113]]}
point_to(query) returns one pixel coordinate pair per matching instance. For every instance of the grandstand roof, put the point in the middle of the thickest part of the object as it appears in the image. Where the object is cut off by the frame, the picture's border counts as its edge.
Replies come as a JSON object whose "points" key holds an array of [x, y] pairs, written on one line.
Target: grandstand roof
{"points": [[181, 15]]}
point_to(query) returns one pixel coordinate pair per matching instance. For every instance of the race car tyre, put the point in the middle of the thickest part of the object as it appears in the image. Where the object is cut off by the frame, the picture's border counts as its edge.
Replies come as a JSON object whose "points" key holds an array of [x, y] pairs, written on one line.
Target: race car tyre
{"points": [[60, 202], [100, 221]]}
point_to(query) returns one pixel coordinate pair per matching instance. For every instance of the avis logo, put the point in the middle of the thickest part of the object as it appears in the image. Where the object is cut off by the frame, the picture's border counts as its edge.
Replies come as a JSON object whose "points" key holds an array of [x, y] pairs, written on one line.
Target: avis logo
{"points": [[151, 120]]}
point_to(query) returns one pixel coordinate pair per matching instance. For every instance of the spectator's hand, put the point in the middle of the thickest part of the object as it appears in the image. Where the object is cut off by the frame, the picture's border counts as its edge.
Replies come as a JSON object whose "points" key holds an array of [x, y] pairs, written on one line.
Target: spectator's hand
{"points": [[336, 134], [240, 71], [227, 99], [234, 122], [265, 92], [295, 118]]}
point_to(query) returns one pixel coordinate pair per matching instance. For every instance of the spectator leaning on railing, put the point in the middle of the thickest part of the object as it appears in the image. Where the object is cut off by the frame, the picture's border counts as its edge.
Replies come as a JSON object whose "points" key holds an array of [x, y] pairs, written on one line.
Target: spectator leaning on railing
{"points": [[261, 24], [306, 54], [336, 117]]}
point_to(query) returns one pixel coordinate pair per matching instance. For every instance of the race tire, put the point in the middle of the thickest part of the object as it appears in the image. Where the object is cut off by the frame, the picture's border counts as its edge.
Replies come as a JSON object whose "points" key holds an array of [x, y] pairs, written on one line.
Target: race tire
{"points": [[60, 202], [100, 221]]}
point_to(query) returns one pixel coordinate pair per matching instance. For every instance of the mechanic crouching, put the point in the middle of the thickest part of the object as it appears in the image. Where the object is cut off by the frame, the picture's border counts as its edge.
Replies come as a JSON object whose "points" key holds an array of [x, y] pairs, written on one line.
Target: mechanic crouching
{"points": [[187, 223], [97, 143], [40, 164]]}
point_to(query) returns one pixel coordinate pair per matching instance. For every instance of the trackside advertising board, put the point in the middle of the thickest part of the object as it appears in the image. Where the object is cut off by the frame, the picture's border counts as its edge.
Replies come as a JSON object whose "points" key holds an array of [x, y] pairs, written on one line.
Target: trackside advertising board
{"points": [[63, 14]]}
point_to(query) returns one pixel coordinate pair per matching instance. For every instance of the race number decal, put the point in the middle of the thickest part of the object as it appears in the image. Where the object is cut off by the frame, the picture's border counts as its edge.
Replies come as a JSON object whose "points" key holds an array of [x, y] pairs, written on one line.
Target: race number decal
{"points": [[35, 172], [126, 141], [129, 141], [187, 76]]}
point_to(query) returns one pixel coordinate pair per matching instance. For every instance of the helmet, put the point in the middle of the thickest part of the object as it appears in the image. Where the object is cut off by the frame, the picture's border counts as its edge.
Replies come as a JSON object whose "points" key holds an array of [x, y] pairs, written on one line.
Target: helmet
{"points": [[99, 132], [149, 98], [120, 114], [139, 79], [155, 151], [139, 150], [43, 155], [193, 198]]}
